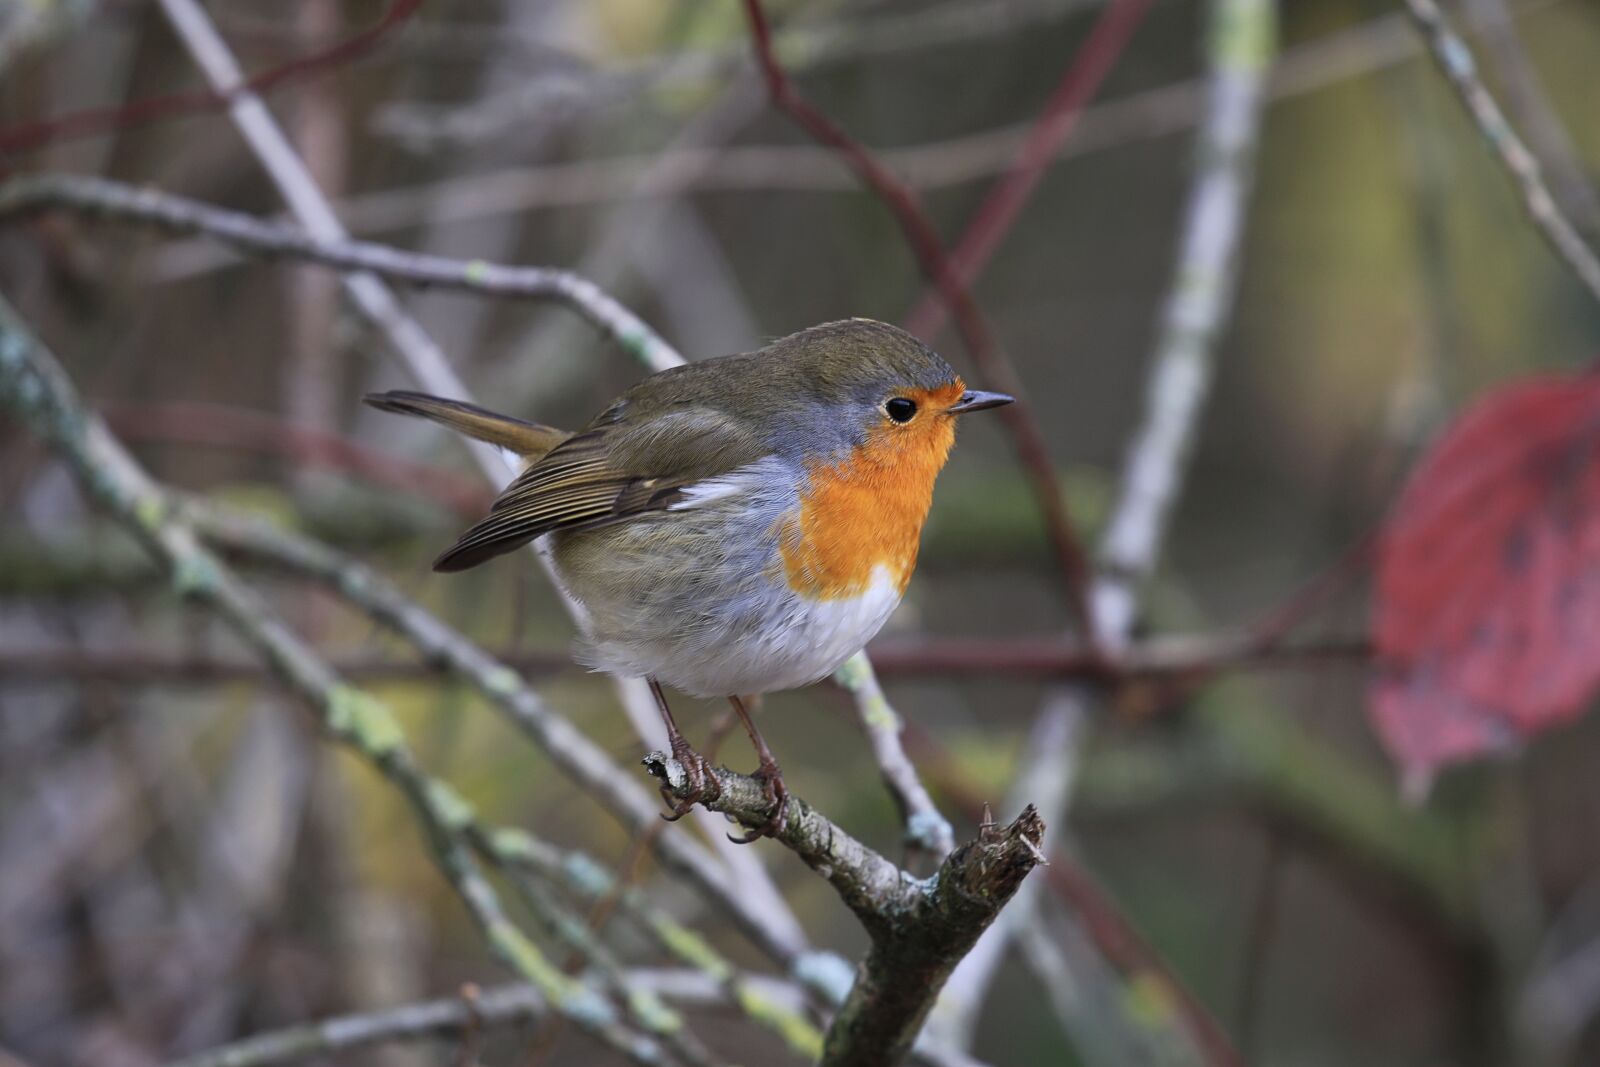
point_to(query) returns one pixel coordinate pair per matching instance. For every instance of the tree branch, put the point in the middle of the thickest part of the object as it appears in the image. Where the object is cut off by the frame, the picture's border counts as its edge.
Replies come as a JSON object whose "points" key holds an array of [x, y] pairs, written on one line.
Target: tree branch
{"points": [[1530, 106], [504, 1006], [27, 136], [1240, 40], [126, 203], [927, 829], [1162, 663], [1006, 198], [845, 36], [1380, 43], [37, 391], [1455, 62], [920, 929]]}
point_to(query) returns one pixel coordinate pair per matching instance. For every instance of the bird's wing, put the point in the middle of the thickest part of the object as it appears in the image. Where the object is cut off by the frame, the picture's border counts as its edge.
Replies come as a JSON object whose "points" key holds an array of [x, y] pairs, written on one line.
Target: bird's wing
{"points": [[608, 473]]}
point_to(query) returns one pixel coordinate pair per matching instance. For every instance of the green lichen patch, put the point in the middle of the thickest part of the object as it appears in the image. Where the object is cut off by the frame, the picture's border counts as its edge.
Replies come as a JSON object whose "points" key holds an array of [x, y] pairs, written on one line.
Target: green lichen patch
{"points": [[649, 1009], [502, 682], [690, 947], [364, 721], [796, 1031], [452, 810]]}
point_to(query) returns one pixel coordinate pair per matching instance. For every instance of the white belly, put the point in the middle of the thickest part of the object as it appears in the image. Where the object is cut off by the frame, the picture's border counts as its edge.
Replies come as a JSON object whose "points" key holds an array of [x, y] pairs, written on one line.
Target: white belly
{"points": [[798, 642], [812, 642]]}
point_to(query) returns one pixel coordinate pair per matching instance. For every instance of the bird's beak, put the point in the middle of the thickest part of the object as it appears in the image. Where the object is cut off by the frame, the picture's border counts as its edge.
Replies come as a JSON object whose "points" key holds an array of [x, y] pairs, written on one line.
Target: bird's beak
{"points": [[973, 400]]}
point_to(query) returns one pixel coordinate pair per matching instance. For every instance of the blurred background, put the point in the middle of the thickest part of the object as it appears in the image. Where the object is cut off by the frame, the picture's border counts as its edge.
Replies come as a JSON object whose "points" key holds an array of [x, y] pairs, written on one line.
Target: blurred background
{"points": [[183, 861]]}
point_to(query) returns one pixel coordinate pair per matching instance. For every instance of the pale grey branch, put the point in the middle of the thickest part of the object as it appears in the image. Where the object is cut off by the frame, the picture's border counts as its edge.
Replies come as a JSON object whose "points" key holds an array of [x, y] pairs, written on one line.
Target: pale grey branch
{"points": [[1455, 61], [920, 928]]}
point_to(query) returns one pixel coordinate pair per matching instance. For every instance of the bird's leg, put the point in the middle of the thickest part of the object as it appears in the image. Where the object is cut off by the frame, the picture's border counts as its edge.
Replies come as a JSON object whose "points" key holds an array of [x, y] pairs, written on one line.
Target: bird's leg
{"points": [[769, 773], [696, 768]]}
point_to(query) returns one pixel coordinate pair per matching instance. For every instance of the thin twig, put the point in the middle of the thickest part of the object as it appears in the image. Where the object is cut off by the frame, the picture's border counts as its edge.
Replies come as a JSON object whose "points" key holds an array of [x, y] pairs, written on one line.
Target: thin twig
{"points": [[509, 1005], [1167, 660], [919, 929], [1455, 62], [28, 136], [902, 201], [592, 953], [1380, 43], [1530, 106], [578, 83], [1004, 202], [1059, 728], [1197, 307], [237, 428], [1239, 44], [584, 877], [34, 388], [1140, 965], [927, 830], [117, 201]]}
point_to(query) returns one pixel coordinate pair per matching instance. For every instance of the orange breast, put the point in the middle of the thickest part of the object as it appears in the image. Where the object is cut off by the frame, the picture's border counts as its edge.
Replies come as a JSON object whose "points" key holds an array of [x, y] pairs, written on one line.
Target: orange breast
{"points": [[867, 510]]}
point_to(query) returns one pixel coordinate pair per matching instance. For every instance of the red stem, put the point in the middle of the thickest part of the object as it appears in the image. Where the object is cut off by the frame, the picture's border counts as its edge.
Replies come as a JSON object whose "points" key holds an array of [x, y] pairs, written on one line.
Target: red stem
{"points": [[220, 426], [1011, 193], [1113, 934], [1273, 627], [28, 136], [1052, 657], [1121, 943]]}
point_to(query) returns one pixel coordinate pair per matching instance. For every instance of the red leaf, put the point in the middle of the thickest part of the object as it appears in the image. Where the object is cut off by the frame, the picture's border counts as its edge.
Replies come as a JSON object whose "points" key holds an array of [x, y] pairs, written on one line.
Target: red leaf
{"points": [[1488, 579]]}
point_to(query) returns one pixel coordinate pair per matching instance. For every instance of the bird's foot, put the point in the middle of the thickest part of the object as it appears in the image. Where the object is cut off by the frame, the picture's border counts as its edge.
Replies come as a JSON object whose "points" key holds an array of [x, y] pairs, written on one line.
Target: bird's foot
{"points": [[777, 793], [700, 781]]}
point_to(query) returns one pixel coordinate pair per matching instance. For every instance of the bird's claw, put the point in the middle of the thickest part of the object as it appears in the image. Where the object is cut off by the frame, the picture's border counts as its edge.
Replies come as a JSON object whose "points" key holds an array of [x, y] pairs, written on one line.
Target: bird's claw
{"points": [[700, 782], [778, 795]]}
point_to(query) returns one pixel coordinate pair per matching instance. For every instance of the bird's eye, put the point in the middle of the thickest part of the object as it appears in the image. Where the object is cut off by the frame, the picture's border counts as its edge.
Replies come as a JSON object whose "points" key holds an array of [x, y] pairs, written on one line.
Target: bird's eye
{"points": [[899, 408]]}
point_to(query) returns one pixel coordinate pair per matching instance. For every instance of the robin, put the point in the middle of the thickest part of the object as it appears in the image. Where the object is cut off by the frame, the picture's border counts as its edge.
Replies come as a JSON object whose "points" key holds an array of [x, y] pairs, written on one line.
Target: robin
{"points": [[734, 526]]}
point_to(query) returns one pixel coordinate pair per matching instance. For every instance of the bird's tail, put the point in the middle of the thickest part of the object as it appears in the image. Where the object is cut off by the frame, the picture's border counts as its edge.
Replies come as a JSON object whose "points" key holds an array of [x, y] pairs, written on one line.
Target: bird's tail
{"points": [[530, 440]]}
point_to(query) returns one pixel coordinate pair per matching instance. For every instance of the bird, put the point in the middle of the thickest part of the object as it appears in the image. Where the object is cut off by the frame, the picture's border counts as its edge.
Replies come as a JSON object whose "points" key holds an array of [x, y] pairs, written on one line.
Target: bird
{"points": [[734, 526]]}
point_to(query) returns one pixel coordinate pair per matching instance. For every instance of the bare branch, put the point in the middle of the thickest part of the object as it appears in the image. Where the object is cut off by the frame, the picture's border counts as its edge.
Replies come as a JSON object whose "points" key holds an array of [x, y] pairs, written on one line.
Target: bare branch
{"points": [[1455, 62], [927, 829], [505, 1006], [1377, 44], [1003, 203], [126, 203], [920, 929], [579, 84], [1240, 42], [1531, 107], [581, 875], [34, 388], [1165, 661]]}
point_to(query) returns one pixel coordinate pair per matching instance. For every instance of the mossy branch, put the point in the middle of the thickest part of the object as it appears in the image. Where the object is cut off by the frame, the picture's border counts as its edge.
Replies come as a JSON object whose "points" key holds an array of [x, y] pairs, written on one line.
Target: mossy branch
{"points": [[920, 928], [35, 389]]}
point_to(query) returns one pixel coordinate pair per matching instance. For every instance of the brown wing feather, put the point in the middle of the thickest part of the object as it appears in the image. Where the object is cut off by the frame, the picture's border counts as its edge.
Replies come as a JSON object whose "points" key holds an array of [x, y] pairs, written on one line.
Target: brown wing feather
{"points": [[596, 478]]}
